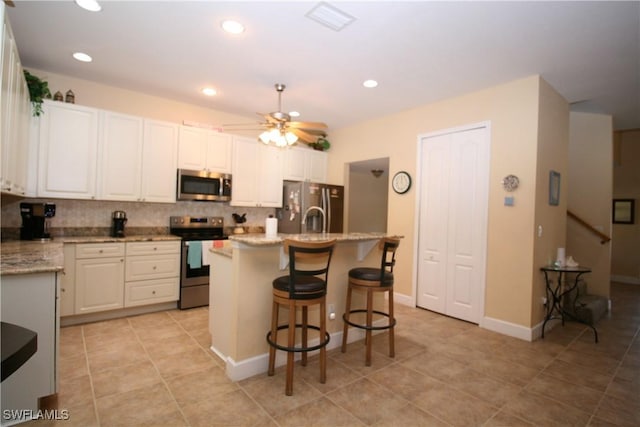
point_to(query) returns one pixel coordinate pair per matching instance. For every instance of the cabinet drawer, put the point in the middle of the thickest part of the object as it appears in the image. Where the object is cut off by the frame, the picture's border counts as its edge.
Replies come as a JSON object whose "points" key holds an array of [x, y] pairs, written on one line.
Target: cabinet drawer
{"points": [[99, 250], [153, 248], [151, 291], [146, 267]]}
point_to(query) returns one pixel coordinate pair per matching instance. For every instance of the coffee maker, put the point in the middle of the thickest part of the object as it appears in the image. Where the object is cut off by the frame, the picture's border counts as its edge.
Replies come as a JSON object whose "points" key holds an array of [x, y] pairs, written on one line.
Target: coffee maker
{"points": [[118, 220], [35, 220]]}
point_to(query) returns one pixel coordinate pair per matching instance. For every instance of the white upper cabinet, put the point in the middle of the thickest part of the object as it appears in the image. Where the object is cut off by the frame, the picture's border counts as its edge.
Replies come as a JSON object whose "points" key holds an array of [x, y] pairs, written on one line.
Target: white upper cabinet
{"points": [[159, 161], [204, 149], [303, 164], [257, 174], [15, 111], [137, 159], [67, 158], [120, 170]]}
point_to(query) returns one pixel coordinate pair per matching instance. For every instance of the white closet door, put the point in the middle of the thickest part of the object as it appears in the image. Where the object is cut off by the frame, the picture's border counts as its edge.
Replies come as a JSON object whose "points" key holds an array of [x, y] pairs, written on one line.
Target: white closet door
{"points": [[453, 223]]}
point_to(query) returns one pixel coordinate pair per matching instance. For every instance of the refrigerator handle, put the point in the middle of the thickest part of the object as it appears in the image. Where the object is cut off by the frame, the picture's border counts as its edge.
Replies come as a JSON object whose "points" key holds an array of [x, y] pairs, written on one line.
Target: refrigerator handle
{"points": [[328, 209]]}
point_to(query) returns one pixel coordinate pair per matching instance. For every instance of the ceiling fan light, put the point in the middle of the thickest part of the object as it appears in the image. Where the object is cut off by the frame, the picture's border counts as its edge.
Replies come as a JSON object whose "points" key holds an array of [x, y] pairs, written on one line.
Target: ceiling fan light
{"points": [[281, 141], [265, 136], [291, 138]]}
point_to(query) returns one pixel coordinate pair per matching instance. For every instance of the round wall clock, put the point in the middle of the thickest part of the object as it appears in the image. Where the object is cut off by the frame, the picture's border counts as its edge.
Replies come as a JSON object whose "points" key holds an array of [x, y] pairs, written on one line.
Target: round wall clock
{"points": [[510, 182], [401, 182]]}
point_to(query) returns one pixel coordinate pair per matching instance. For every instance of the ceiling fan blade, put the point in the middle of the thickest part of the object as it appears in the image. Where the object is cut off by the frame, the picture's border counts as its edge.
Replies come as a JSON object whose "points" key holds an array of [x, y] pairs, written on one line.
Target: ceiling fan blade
{"points": [[246, 124], [317, 132], [307, 125], [304, 136], [9, 3]]}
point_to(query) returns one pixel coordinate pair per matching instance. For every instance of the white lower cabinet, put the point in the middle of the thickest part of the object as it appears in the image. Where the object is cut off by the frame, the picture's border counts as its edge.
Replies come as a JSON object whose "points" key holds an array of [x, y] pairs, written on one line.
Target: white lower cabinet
{"points": [[99, 276], [114, 275], [152, 273]]}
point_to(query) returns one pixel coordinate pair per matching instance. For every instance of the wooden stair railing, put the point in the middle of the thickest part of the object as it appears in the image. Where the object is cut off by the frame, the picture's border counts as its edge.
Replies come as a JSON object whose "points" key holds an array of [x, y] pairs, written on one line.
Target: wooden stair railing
{"points": [[603, 237]]}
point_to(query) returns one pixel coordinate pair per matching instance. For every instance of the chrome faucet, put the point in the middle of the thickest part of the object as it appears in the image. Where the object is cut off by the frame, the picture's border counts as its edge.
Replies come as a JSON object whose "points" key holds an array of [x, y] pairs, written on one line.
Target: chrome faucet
{"points": [[317, 208]]}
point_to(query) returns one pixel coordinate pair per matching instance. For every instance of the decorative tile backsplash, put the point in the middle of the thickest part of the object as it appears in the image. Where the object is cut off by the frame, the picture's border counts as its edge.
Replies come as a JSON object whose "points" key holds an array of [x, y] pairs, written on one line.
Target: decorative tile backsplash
{"points": [[97, 214]]}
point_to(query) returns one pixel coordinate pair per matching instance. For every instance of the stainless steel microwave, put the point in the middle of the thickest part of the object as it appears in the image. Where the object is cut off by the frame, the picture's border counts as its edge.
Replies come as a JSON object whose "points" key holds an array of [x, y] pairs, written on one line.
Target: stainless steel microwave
{"points": [[203, 186]]}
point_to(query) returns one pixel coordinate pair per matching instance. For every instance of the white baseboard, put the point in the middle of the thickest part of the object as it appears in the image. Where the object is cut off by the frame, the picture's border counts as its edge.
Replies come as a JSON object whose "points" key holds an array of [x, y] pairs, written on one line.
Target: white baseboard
{"points": [[115, 314], [511, 329], [626, 279], [242, 369]]}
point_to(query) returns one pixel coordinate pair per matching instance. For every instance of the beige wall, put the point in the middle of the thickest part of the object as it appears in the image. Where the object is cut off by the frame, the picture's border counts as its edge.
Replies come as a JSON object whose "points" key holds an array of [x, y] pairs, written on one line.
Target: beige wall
{"points": [[124, 101], [550, 220], [625, 262], [512, 110], [368, 200], [590, 192]]}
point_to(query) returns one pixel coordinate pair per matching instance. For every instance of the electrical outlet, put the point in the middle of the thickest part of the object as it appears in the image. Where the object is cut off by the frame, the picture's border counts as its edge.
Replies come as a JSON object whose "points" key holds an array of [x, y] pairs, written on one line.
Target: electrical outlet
{"points": [[332, 312]]}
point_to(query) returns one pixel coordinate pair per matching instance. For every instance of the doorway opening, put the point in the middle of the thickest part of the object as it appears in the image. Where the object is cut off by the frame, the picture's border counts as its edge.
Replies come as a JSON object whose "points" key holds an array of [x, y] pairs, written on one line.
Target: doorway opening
{"points": [[368, 196]]}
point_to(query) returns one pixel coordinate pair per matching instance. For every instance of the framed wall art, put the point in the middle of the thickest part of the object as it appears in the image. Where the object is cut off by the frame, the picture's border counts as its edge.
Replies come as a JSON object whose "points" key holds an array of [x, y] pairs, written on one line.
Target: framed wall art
{"points": [[623, 211], [554, 188]]}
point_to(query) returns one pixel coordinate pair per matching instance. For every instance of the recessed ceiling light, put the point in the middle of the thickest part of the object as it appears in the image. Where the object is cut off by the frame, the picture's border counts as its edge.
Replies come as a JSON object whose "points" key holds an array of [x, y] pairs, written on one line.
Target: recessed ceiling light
{"points": [[232, 27], [82, 57], [90, 5], [370, 83], [294, 114], [209, 91]]}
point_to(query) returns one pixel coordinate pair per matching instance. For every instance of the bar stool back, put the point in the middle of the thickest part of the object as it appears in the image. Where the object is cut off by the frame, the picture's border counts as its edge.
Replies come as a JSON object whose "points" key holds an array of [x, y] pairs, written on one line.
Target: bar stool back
{"points": [[305, 285], [372, 280]]}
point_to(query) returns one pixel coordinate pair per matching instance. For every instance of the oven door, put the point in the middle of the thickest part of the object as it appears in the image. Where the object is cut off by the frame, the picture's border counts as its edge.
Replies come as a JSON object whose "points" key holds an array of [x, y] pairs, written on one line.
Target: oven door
{"points": [[194, 280]]}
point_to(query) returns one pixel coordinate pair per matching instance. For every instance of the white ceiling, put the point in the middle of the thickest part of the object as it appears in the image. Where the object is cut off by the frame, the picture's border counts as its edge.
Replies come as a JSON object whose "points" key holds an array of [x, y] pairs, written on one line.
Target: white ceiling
{"points": [[419, 52]]}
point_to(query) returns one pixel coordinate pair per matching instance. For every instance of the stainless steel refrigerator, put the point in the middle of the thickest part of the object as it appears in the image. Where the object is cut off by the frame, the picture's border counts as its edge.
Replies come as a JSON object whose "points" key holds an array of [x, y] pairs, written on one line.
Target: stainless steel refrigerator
{"points": [[309, 207]]}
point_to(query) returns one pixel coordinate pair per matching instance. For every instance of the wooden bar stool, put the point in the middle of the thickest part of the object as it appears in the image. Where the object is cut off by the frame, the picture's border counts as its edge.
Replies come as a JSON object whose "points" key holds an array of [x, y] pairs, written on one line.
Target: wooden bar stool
{"points": [[306, 285], [372, 280]]}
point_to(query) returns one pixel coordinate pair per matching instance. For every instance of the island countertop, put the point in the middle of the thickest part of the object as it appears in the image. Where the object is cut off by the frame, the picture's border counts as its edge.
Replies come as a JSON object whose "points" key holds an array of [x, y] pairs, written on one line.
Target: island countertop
{"points": [[263, 240], [26, 257]]}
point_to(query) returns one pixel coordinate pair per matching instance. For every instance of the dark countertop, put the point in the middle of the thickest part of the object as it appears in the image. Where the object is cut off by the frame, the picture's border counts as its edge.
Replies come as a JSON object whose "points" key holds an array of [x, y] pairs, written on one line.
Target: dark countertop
{"points": [[18, 345]]}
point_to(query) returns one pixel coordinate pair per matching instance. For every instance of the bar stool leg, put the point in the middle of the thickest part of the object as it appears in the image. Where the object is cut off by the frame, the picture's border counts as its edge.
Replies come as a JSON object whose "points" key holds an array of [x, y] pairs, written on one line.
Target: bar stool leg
{"points": [[305, 319], [392, 349], [291, 342], [346, 317], [323, 349], [274, 338], [369, 324]]}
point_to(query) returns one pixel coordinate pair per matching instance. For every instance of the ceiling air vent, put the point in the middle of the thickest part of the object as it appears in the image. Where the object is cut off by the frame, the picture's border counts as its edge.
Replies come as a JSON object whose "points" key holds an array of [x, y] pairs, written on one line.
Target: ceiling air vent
{"points": [[330, 16]]}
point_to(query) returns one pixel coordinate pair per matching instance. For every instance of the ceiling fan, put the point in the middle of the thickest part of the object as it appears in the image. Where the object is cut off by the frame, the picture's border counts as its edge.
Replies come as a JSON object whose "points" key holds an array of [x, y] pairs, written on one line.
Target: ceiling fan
{"points": [[279, 128]]}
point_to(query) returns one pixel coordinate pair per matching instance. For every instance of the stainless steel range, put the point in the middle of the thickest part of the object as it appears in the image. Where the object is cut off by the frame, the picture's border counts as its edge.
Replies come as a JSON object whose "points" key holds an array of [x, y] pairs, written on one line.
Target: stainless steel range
{"points": [[197, 234]]}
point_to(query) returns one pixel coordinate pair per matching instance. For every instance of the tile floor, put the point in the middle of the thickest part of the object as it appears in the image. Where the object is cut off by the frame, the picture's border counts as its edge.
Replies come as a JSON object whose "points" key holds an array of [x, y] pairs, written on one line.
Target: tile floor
{"points": [[156, 370]]}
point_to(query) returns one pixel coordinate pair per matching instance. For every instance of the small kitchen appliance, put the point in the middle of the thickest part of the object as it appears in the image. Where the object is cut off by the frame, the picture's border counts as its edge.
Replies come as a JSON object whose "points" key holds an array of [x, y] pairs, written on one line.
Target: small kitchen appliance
{"points": [[118, 221], [198, 234], [35, 220]]}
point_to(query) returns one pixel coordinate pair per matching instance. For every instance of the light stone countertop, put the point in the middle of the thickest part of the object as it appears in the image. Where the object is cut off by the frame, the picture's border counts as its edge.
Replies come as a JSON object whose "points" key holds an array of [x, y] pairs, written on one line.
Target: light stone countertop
{"points": [[105, 239], [263, 240], [27, 257]]}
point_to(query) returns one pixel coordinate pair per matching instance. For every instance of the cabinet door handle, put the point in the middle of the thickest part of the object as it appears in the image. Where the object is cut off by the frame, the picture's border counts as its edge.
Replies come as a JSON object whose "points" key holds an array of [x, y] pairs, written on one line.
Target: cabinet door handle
{"points": [[101, 251], [153, 292], [154, 267]]}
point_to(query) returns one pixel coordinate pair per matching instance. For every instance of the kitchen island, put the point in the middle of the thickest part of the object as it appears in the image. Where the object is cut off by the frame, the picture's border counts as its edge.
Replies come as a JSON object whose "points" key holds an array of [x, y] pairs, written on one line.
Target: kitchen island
{"points": [[241, 293], [30, 277]]}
